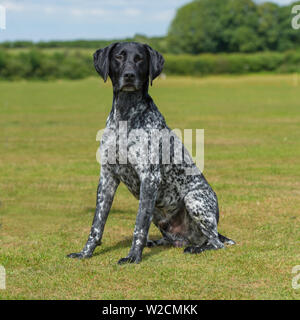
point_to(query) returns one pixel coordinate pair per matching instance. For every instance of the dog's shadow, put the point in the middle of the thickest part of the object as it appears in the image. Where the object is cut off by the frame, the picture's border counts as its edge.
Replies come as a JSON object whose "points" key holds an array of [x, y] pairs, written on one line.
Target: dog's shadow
{"points": [[91, 210], [126, 243]]}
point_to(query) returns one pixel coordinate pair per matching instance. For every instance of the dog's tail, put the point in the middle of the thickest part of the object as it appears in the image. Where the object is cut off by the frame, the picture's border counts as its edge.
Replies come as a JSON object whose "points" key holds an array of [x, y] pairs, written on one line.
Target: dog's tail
{"points": [[225, 240]]}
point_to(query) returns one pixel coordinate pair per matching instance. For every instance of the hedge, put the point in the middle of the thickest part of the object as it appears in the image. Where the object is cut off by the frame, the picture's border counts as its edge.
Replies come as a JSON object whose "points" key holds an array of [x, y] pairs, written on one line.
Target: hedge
{"points": [[43, 64]]}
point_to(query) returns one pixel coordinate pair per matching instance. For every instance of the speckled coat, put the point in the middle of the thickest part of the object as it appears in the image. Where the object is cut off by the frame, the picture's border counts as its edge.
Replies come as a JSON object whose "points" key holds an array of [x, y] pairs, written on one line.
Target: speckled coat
{"points": [[183, 207]]}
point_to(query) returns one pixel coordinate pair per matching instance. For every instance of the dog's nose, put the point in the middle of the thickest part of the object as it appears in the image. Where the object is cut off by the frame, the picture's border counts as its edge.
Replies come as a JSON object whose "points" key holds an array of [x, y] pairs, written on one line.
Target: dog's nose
{"points": [[129, 76]]}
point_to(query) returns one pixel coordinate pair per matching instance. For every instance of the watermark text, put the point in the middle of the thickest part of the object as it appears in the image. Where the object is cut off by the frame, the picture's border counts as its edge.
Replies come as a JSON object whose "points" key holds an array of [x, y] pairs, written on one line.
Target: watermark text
{"points": [[2, 278], [296, 279], [2, 17], [296, 18], [152, 146]]}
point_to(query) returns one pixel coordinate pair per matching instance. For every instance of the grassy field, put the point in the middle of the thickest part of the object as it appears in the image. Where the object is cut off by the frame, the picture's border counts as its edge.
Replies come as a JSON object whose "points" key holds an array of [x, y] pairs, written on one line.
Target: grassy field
{"points": [[49, 175]]}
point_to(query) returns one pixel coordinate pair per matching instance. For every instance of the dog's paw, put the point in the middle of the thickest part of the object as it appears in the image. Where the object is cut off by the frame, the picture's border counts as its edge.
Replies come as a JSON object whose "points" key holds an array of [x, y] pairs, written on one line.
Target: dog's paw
{"points": [[151, 243], [78, 255], [226, 240], [199, 249], [130, 259], [193, 249], [229, 242]]}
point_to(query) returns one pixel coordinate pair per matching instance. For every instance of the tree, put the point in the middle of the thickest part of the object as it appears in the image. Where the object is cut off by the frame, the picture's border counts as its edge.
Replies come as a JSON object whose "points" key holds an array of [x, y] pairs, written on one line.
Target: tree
{"points": [[197, 27], [288, 37], [240, 22], [269, 26], [232, 26]]}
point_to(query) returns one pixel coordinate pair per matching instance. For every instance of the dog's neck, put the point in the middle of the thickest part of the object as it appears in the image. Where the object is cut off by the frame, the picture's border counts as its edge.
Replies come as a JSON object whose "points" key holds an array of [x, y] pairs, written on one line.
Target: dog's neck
{"points": [[126, 105]]}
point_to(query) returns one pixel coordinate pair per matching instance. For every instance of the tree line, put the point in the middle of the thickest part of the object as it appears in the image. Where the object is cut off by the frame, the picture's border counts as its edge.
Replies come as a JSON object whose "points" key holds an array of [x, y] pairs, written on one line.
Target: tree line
{"points": [[77, 64], [232, 26], [209, 26]]}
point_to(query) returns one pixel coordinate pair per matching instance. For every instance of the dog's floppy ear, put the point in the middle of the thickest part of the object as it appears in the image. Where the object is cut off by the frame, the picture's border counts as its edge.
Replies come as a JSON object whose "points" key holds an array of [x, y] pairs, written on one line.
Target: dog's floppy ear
{"points": [[156, 63], [101, 60]]}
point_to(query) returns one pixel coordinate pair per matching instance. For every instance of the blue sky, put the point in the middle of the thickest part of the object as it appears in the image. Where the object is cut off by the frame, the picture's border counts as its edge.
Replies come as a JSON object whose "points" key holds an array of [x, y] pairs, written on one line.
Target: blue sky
{"points": [[88, 19]]}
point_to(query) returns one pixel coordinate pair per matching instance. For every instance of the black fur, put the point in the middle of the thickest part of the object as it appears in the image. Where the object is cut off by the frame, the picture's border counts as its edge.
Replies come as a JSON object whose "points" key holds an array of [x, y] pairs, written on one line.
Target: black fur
{"points": [[183, 207]]}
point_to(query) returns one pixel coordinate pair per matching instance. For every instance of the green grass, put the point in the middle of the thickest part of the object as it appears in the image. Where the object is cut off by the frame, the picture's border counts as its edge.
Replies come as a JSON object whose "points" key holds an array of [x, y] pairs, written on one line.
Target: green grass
{"points": [[49, 175]]}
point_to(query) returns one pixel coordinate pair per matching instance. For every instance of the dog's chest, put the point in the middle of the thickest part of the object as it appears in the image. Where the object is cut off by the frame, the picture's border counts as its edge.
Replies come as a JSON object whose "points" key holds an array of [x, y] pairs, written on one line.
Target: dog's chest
{"points": [[129, 177]]}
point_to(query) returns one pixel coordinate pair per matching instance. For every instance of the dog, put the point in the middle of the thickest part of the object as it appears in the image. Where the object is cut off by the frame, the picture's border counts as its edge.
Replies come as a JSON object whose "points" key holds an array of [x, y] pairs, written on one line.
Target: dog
{"points": [[183, 207]]}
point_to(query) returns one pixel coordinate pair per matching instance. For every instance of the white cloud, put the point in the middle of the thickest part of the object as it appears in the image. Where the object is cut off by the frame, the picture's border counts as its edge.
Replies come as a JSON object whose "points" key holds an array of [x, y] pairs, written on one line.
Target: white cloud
{"points": [[50, 10], [132, 12], [12, 6], [165, 15], [29, 7], [76, 12], [88, 12]]}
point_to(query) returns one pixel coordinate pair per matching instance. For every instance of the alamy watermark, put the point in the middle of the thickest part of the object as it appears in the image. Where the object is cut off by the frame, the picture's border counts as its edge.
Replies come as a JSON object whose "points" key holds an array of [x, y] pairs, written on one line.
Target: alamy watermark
{"points": [[154, 146], [296, 19], [296, 279], [2, 17], [2, 278]]}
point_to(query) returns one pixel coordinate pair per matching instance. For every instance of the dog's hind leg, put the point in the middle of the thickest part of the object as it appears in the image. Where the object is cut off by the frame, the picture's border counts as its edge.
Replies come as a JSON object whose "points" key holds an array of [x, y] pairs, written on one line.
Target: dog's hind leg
{"points": [[226, 240], [157, 216], [206, 246], [202, 206], [159, 242]]}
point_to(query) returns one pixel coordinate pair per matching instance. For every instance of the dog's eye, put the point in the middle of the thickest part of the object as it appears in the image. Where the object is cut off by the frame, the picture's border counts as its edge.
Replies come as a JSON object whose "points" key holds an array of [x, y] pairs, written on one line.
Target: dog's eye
{"points": [[119, 57], [138, 58]]}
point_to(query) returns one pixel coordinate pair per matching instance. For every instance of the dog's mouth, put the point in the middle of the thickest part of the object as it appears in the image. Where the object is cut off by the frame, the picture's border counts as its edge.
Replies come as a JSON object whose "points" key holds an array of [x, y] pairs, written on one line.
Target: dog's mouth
{"points": [[128, 88]]}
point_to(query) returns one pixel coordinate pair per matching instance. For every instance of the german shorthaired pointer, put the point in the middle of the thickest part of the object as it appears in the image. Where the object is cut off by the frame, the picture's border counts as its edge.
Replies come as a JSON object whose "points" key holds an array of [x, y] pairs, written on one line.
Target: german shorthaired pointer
{"points": [[182, 206]]}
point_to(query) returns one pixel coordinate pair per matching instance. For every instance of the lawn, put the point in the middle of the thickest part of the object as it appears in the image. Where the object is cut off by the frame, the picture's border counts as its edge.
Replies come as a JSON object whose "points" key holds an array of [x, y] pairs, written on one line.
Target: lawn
{"points": [[49, 176]]}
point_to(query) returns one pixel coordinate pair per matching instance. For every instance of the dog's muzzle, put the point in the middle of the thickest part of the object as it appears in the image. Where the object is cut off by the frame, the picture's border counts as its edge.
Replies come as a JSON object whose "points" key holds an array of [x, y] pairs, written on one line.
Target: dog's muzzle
{"points": [[128, 88], [128, 82]]}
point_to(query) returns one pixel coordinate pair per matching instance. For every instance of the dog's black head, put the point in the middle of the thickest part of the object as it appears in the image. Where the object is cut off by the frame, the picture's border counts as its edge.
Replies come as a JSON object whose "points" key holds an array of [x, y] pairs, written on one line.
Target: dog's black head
{"points": [[128, 64]]}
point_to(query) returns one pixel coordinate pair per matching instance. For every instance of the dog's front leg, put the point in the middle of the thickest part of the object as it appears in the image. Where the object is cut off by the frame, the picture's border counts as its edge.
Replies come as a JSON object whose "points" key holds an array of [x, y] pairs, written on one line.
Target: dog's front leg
{"points": [[148, 195], [107, 187]]}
